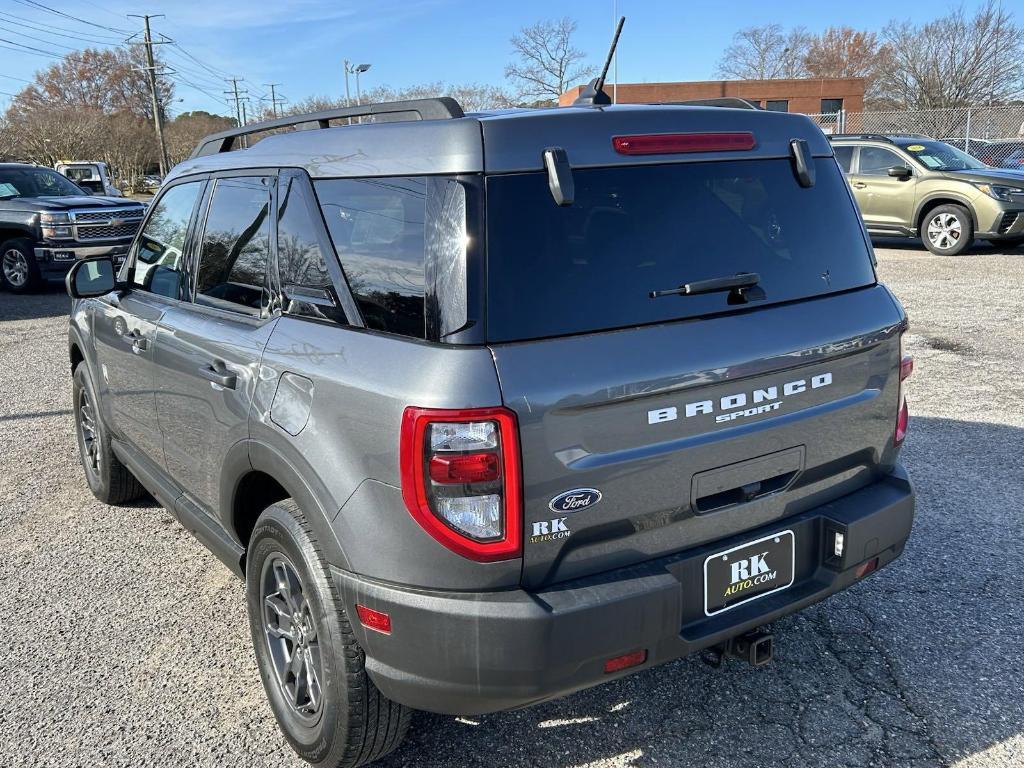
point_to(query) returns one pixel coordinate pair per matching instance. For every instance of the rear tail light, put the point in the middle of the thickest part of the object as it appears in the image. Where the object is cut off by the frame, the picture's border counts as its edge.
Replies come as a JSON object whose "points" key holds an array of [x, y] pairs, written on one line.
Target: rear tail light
{"points": [[903, 415], [461, 479], [669, 143]]}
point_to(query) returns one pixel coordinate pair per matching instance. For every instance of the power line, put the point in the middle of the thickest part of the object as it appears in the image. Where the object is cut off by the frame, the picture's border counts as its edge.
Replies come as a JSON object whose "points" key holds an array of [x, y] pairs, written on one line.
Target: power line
{"points": [[19, 79], [34, 4], [219, 73], [31, 24], [29, 49], [38, 39]]}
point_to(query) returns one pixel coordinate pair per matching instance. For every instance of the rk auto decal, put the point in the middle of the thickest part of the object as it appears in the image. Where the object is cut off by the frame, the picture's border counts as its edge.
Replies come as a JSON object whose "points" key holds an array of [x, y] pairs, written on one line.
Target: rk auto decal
{"points": [[550, 530], [575, 500]]}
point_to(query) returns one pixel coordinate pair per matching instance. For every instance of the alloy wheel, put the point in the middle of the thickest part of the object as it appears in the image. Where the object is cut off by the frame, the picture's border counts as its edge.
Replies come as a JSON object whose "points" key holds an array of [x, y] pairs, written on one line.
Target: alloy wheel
{"points": [[944, 231], [89, 430], [290, 629], [15, 267]]}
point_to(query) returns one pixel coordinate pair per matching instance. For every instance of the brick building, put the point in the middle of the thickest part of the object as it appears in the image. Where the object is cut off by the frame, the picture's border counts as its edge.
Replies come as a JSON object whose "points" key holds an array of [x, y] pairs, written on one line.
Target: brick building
{"points": [[809, 96]]}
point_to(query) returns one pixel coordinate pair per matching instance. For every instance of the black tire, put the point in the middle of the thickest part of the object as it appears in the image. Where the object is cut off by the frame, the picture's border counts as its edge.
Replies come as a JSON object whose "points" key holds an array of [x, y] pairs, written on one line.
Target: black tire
{"points": [[109, 479], [19, 271], [350, 723], [947, 230]]}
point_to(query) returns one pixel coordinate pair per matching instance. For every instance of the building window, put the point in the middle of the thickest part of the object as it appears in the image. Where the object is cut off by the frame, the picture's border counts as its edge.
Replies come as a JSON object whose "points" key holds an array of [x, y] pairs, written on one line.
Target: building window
{"points": [[777, 105], [831, 106]]}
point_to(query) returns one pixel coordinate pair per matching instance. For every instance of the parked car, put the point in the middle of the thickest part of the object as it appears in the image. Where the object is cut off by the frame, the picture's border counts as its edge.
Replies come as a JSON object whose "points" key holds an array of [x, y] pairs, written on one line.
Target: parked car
{"points": [[481, 429], [47, 221], [1003, 154], [151, 183], [90, 175], [914, 187]]}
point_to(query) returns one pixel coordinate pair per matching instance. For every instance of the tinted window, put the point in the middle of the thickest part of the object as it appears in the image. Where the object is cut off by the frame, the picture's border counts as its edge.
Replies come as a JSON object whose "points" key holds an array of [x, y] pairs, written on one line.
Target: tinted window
{"points": [[777, 105], [301, 260], [377, 229], [591, 266], [875, 161], [830, 106], [34, 182], [844, 156], [158, 254], [236, 246]]}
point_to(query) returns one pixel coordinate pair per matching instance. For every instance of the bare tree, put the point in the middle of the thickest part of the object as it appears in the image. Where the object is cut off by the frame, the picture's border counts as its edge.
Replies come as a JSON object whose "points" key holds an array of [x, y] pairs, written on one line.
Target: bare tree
{"points": [[547, 65], [765, 53], [955, 60], [847, 52], [109, 80], [185, 131]]}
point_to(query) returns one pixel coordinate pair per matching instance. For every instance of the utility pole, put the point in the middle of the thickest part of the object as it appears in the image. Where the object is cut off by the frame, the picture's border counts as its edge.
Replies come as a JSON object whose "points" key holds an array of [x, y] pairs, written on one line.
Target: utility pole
{"points": [[237, 96], [158, 118], [274, 98], [348, 97], [245, 117]]}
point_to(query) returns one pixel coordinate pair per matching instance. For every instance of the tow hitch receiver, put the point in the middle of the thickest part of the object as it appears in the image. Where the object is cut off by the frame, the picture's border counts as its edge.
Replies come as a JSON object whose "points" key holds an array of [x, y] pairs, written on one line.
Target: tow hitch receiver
{"points": [[756, 648]]}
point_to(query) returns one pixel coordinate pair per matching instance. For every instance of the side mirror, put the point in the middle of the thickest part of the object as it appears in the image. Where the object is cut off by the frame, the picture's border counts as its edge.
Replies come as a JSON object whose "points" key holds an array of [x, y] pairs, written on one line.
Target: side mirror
{"points": [[89, 278], [900, 172]]}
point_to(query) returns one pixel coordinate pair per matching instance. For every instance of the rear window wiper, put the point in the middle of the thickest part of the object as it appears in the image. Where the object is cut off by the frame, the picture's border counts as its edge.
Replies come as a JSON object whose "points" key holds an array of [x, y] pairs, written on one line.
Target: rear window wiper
{"points": [[735, 285]]}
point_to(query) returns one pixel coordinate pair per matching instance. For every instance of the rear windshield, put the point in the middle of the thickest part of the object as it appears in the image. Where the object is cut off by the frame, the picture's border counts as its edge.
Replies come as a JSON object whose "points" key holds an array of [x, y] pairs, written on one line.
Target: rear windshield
{"points": [[591, 266]]}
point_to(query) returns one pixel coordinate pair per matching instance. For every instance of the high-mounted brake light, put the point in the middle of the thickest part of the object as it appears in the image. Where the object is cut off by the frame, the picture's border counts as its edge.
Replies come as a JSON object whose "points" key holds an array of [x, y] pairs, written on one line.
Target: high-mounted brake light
{"points": [[903, 415], [461, 479], [668, 143]]}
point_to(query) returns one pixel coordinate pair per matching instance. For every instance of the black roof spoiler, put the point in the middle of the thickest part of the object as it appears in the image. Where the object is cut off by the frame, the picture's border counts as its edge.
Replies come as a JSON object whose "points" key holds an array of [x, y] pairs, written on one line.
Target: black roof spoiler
{"points": [[443, 108]]}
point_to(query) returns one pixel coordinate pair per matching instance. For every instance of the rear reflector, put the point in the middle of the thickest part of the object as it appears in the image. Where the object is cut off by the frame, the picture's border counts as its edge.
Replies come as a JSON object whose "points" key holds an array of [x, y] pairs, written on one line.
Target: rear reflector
{"points": [[618, 663], [376, 620], [668, 143], [865, 568]]}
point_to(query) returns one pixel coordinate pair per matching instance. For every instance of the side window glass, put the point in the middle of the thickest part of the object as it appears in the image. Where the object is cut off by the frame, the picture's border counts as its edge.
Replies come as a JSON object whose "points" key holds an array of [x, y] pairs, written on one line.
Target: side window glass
{"points": [[377, 228], [158, 254], [305, 280], [236, 247], [844, 156], [875, 161]]}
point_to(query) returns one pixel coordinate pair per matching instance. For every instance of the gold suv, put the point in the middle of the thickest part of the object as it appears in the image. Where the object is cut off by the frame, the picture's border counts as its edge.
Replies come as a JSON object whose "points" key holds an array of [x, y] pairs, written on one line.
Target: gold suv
{"points": [[913, 186]]}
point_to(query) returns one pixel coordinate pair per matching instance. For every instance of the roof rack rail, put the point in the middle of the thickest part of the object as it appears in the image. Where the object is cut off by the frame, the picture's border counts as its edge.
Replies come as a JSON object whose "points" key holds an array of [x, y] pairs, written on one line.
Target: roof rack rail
{"points": [[887, 137], [442, 108], [730, 102]]}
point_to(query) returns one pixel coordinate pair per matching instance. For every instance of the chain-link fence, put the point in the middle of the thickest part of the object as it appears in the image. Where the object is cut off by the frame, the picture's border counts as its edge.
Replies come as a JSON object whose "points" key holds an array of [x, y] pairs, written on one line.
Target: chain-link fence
{"points": [[994, 135]]}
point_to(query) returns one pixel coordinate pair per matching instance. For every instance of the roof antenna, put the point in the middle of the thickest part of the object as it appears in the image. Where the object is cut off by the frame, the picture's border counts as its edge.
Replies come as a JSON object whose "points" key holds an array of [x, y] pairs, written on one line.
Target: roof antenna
{"points": [[593, 92]]}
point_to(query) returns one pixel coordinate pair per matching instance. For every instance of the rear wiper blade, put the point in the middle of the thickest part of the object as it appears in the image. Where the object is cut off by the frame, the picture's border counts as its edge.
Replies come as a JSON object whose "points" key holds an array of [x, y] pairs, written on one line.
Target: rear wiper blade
{"points": [[736, 284]]}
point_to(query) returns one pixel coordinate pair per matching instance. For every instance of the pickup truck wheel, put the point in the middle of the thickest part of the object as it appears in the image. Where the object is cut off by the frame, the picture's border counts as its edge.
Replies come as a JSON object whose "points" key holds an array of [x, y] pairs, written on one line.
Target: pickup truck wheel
{"points": [[109, 480], [948, 230], [311, 665], [19, 271]]}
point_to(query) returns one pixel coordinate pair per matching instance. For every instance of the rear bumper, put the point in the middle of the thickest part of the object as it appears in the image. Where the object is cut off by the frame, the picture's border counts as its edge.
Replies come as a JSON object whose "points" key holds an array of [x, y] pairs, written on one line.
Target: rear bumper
{"points": [[54, 261], [472, 653]]}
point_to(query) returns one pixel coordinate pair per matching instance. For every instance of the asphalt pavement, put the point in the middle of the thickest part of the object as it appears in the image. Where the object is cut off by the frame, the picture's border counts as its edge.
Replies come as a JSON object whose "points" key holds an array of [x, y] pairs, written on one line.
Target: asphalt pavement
{"points": [[126, 644]]}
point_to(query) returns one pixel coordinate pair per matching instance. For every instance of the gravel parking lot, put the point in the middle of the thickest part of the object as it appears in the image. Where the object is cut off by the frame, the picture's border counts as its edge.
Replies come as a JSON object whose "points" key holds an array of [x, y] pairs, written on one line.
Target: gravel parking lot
{"points": [[125, 643]]}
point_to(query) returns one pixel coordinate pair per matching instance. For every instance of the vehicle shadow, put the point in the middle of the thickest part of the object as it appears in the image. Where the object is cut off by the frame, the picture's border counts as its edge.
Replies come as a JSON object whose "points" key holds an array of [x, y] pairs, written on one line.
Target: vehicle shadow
{"points": [[49, 301], [918, 664]]}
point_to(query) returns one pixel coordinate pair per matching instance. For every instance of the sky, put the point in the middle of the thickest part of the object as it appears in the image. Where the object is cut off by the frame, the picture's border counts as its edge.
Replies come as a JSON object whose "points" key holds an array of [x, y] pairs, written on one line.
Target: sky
{"points": [[301, 44]]}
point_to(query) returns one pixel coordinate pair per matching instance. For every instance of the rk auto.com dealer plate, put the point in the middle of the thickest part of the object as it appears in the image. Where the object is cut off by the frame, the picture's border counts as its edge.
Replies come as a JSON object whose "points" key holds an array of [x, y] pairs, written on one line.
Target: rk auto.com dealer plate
{"points": [[749, 571]]}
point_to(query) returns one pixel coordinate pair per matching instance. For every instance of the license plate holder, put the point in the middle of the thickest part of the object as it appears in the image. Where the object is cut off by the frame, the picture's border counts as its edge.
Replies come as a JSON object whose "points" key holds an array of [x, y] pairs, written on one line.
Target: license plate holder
{"points": [[749, 571]]}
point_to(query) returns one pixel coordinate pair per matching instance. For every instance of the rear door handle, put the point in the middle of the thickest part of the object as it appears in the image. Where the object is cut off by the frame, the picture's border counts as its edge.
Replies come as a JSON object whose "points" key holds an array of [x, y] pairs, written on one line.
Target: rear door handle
{"points": [[219, 374], [859, 185]]}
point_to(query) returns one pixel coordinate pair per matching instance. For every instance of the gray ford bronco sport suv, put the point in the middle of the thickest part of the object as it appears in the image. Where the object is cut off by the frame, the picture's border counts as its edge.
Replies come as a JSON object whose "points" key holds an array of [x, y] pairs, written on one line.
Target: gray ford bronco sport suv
{"points": [[490, 408]]}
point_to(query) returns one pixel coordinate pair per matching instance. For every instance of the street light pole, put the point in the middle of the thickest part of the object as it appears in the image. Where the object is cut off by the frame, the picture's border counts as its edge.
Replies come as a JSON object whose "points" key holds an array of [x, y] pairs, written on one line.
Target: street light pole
{"points": [[348, 98], [359, 69]]}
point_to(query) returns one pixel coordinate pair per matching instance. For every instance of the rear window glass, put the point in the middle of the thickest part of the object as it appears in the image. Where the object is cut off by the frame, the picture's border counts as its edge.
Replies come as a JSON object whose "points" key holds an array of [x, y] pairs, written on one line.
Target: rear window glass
{"points": [[591, 266]]}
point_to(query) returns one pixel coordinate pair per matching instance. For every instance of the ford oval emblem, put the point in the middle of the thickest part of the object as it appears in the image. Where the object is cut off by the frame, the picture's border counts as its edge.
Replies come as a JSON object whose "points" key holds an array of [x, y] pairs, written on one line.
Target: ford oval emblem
{"points": [[575, 500]]}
